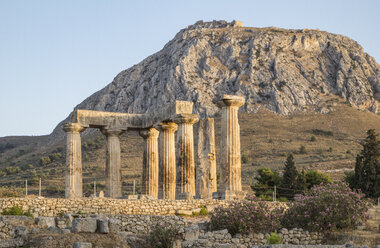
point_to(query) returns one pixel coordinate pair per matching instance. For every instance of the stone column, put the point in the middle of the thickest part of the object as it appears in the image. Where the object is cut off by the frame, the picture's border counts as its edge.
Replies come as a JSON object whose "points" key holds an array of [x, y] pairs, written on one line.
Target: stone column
{"points": [[73, 186], [113, 163], [150, 162], [205, 158], [230, 171], [185, 156], [167, 170]]}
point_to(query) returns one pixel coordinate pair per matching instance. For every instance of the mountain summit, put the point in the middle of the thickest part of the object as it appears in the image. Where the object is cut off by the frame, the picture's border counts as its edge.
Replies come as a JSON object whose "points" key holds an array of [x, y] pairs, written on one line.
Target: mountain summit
{"points": [[282, 70]]}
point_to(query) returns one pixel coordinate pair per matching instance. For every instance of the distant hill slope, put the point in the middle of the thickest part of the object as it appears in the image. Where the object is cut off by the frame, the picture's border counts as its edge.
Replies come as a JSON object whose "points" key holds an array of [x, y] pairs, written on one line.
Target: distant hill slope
{"points": [[277, 69]]}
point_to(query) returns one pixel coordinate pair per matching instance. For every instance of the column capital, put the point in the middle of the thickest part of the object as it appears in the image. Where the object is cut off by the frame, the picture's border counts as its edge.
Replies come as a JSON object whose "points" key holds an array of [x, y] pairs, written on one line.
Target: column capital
{"points": [[73, 127], [232, 100], [167, 126], [149, 133], [111, 131], [186, 118]]}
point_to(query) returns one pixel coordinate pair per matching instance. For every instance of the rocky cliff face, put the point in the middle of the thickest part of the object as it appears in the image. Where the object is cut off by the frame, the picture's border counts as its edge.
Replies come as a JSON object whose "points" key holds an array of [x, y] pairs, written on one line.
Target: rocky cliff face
{"points": [[277, 69]]}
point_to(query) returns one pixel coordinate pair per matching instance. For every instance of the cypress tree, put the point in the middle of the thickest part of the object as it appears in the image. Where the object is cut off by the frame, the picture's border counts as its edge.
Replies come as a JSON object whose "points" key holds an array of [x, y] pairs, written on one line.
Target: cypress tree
{"points": [[367, 167], [289, 183]]}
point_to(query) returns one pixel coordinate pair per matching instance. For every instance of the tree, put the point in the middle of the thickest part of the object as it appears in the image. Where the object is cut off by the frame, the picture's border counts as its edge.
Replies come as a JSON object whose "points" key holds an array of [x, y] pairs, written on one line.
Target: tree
{"points": [[266, 180], [367, 167], [289, 182], [315, 177]]}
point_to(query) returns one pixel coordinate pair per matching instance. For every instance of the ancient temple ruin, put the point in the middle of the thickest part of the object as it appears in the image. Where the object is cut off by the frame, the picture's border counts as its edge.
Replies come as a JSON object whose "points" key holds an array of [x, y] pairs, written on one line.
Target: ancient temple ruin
{"points": [[169, 163]]}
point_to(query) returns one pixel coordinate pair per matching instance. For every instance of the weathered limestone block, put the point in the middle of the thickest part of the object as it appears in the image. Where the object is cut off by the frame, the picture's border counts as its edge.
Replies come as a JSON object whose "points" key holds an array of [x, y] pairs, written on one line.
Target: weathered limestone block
{"points": [[205, 158], [82, 245], [114, 225], [45, 222], [73, 186], [113, 162], [167, 169], [191, 232], [20, 232], [103, 226], [12, 220], [185, 156], [11, 243], [150, 162], [230, 172], [84, 225]]}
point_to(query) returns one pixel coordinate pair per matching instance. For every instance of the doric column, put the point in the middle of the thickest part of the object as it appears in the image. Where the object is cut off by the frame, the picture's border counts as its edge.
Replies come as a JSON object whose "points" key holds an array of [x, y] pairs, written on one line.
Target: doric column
{"points": [[167, 170], [73, 186], [205, 158], [230, 171], [185, 156], [113, 163], [150, 162]]}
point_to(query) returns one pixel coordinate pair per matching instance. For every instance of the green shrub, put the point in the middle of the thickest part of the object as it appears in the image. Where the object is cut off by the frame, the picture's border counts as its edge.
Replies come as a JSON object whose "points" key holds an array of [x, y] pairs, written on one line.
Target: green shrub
{"points": [[302, 149], [244, 158], [248, 215], [315, 177], [327, 207], [12, 170], [273, 238], [162, 235], [16, 210], [313, 139], [44, 161], [203, 211], [265, 182]]}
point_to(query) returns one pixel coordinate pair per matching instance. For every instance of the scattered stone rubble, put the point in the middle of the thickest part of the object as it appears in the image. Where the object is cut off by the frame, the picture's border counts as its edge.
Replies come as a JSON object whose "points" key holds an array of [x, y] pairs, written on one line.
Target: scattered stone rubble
{"points": [[15, 230]]}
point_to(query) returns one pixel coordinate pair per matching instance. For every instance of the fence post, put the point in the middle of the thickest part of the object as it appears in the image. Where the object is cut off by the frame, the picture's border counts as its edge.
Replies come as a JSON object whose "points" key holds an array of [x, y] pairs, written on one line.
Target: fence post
{"points": [[39, 188], [275, 193], [94, 188], [134, 187], [26, 187]]}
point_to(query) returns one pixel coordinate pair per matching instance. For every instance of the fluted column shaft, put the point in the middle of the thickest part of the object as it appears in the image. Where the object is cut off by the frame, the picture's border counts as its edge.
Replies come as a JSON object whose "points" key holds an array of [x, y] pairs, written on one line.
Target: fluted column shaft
{"points": [[230, 176], [73, 187], [185, 156], [113, 163], [167, 170], [150, 162]]}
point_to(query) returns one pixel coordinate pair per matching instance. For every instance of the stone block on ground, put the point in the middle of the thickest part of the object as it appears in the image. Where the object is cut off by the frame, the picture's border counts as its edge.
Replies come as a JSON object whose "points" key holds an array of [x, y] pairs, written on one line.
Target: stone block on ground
{"points": [[5, 243], [82, 245], [84, 225], [114, 225], [103, 226], [20, 232], [191, 233], [45, 222]]}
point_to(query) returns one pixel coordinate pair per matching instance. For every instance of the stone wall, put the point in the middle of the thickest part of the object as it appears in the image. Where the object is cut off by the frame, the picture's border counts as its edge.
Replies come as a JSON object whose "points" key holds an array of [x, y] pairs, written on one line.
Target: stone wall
{"points": [[55, 206], [40, 206]]}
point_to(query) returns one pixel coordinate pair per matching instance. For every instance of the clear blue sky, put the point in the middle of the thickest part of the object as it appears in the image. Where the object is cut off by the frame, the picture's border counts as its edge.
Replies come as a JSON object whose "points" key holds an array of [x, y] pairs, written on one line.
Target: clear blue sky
{"points": [[54, 54]]}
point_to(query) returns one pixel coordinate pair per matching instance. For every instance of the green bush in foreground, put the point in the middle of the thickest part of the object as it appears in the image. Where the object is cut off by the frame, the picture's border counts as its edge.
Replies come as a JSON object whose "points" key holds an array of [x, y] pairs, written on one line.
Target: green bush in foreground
{"points": [[273, 238], [162, 236], [15, 210]]}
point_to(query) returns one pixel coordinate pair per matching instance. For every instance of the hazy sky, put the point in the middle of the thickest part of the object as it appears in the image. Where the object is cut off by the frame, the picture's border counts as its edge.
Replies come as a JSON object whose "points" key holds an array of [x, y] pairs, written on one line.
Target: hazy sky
{"points": [[54, 54]]}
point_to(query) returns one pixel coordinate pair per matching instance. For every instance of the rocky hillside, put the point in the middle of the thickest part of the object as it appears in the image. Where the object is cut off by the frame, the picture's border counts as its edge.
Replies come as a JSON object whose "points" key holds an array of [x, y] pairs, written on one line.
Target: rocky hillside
{"points": [[282, 70]]}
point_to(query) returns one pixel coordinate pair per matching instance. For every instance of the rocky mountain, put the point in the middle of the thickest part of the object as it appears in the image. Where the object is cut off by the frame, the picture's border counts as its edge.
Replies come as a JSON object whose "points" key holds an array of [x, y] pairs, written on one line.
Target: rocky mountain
{"points": [[282, 70]]}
